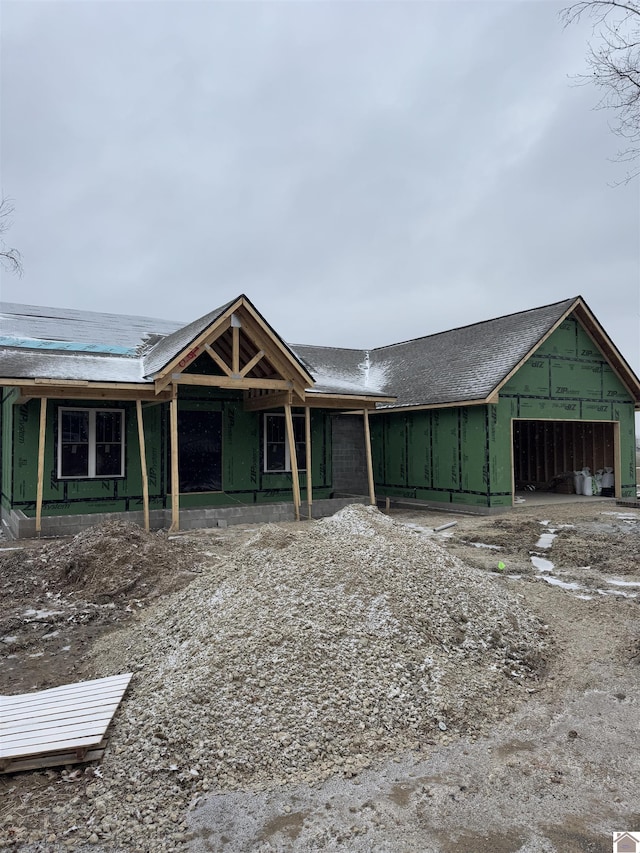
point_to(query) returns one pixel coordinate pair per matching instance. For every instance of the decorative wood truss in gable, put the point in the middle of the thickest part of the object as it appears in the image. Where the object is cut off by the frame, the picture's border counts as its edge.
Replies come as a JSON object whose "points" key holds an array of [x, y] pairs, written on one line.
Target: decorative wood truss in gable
{"points": [[248, 355]]}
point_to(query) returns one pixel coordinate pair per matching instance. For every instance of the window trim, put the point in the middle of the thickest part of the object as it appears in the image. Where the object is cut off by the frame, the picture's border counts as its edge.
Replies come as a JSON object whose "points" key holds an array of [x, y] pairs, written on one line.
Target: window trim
{"points": [[91, 463], [287, 454]]}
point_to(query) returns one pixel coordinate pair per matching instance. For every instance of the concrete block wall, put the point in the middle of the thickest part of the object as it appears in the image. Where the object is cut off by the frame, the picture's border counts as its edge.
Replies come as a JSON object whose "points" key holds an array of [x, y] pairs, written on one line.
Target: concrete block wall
{"points": [[16, 525], [349, 455]]}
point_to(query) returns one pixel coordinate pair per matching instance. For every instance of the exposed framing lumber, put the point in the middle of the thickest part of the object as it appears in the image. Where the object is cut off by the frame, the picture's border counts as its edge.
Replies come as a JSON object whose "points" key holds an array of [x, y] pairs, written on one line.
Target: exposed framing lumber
{"points": [[143, 465], [41, 443], [617, 467], [345, 403], [492, 398], [289, 358], [28, 390], [294, 460], [307, 443], [251, 364], [235, 355], [175, 473], [231, 382], [617, 463], [218, 360], [367, 446], [267, 401], [281, 359], [163, 377]]}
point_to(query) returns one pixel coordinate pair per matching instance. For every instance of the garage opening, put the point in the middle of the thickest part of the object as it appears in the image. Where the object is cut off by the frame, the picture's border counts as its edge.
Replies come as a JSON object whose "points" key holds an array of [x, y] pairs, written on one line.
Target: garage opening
{"points": [[547, 453]]}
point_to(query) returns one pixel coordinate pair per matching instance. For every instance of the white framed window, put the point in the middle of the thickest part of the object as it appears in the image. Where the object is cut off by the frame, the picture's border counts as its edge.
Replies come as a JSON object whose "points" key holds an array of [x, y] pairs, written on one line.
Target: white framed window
{"points": [[90, 443], [276, 446]]}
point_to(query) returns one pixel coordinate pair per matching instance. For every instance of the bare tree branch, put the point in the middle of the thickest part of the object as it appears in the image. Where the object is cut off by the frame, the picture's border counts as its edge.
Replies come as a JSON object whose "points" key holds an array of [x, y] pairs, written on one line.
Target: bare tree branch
{"points": [[9, 258], [613, 59]]}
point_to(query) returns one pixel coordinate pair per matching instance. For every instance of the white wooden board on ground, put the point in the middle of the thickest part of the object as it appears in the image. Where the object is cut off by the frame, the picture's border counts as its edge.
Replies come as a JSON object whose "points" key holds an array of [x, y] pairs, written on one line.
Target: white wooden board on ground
{"points": [[63, 725]]}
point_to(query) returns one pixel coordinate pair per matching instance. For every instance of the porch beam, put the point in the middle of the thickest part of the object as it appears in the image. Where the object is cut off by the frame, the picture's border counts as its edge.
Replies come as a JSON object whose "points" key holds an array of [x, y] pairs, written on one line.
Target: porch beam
{"points": [[143, 465], [367, 445], [231, 382], [346, 405], [175, 482], [41, 442], [67, 393], [307, 442], [293, 459], [267, 401]]}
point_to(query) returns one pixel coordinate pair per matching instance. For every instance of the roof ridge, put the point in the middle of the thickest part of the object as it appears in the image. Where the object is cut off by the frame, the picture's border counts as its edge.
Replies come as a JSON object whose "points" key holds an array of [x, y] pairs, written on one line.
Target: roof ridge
{"points": [[567, 302]]}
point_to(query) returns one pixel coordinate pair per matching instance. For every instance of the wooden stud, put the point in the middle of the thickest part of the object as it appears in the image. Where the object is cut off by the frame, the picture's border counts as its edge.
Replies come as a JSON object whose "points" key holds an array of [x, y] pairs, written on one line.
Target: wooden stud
{"points": [[41, 442], [235, 362], [175, 481], [143, 465], [513, 467], [284, 365], [249, 313], [307, 441], [617, 467], [367, 445], [294, 460], [218, 360], [251, 364]]}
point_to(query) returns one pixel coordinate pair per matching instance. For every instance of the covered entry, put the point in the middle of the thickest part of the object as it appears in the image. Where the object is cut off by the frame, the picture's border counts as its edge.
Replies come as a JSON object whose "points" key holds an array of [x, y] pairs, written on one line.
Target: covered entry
{"points": [[546, 453]]}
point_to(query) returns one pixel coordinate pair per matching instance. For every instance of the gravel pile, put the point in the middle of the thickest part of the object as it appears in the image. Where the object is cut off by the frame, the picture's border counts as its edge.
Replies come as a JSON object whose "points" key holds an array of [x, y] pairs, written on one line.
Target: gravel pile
{"points": [[310, 652]]}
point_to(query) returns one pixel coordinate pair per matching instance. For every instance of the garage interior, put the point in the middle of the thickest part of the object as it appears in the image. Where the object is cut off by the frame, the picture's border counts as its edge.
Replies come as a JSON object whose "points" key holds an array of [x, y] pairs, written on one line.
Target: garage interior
{"points": [[547, 453]]}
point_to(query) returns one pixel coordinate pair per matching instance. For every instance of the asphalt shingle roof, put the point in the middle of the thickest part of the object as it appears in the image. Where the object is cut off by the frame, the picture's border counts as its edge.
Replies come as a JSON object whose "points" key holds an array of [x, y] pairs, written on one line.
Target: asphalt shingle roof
{"points": [[166, 349], [466, 363], [459, 365]]}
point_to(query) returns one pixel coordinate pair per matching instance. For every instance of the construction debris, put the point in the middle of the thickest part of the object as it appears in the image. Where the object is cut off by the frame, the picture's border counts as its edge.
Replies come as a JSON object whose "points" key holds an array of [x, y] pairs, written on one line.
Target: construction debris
{"points": [[64, 725]]}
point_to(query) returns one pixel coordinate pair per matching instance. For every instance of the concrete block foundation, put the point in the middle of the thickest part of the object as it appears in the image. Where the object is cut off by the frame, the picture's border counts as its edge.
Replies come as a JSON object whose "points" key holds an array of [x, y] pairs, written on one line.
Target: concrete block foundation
{"points": [[16, 525]]}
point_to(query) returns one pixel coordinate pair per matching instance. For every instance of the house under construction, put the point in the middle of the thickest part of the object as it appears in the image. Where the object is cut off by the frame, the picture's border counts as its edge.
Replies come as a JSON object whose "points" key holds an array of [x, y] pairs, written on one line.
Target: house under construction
{"points": [[222, 421]]}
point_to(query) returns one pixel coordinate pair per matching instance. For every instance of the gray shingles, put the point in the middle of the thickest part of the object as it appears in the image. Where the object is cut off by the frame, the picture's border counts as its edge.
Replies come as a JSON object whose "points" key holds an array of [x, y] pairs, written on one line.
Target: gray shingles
{"points": [[84, 327], [454, 366], [467, 363], [166, 349]]}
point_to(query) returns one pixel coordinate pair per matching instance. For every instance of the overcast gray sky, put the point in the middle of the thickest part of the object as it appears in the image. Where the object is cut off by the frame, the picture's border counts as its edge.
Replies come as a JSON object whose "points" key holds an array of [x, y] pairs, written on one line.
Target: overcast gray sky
{"points": [[365, 172]]}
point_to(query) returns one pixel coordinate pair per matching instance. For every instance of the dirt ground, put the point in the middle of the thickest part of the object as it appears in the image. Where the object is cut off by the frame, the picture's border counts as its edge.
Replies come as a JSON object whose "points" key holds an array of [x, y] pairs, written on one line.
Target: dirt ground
{"points": [[557, 770]]}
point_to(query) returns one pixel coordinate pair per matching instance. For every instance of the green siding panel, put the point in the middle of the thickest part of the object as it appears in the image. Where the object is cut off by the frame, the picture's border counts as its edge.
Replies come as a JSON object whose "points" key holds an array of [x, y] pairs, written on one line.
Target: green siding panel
{"points": [[419, 447], [586, 348], [446, 449], [396, 450], [473, 443], [562, 342], [612, 388], [531, 378]]}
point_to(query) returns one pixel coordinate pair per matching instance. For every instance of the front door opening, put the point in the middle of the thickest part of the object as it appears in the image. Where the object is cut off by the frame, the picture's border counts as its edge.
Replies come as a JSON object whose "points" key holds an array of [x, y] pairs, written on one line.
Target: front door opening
{"points": [[200, 451]]}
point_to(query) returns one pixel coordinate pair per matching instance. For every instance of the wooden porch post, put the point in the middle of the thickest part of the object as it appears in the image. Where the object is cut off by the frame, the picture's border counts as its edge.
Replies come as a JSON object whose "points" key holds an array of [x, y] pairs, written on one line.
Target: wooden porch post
{"points": [[175, 474], [143, 465], [367, 445], [307, 440], [294, 460], [41, 443]]}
